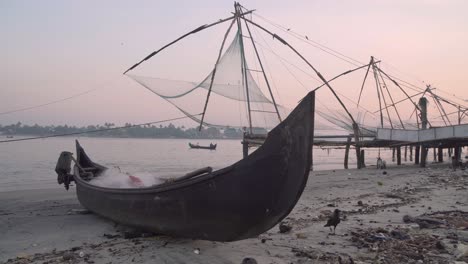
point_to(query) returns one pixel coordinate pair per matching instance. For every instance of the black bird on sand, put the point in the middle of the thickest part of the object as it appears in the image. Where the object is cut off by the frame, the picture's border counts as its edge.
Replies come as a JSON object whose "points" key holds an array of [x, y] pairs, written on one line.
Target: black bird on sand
{"points": [[334, 220]]}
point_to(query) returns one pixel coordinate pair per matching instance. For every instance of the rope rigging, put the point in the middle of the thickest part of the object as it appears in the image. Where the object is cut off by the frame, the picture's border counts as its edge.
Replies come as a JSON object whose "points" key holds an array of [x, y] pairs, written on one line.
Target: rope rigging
{"points": [[348, 59], [48, 103], [96, 130]]}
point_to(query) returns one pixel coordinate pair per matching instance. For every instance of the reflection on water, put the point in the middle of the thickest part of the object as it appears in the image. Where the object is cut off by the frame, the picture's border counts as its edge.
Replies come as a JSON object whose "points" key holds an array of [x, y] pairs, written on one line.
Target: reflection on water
{"points": [[30, 164]]}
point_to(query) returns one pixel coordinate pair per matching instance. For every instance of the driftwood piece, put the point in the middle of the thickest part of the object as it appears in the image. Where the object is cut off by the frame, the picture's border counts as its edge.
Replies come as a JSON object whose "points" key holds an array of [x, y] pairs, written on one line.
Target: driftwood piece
{"points": [[454, 218]]}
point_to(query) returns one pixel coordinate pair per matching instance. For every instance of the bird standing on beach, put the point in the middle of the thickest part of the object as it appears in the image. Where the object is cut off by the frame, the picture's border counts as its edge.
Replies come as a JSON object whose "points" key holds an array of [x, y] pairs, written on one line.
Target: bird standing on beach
{"points": [[334, 220]]}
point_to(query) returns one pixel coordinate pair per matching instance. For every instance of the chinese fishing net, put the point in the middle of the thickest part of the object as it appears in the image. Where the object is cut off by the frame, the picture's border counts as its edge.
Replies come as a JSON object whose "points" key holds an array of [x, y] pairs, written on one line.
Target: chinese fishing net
{"points": [[232, 94]]}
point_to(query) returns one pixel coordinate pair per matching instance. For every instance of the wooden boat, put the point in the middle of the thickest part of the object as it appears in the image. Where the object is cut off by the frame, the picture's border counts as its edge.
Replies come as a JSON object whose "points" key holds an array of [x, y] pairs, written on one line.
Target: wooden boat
{"points": [[237, 202], [233, 203], [196, 146]]}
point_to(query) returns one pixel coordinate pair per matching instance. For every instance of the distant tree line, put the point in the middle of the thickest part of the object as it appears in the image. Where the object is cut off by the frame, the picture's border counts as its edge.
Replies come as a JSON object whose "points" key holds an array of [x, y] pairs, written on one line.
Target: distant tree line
{"points": [[129, 131]]}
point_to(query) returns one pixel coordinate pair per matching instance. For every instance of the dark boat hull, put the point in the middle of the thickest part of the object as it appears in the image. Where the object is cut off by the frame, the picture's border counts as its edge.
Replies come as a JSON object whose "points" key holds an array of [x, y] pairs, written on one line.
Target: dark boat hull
{"points": [[237, 202], [212, 147]]}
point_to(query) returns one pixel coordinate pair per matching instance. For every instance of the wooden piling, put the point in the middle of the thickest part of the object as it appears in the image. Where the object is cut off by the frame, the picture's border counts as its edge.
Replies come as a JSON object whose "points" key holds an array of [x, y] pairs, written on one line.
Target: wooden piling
{"points": [[423, 115], [416, 155], [423, 156], [346, 155], [406, 153], [363, 159], [398, 155], [440, 152], [411, 153], [457, 153], [245, 149], [393, 154], [357, 147]]}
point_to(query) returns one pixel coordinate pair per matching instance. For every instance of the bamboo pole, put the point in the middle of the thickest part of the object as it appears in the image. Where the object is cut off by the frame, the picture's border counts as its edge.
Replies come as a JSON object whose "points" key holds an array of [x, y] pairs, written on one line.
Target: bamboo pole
{"points": [[398, 85], [377, 86], [200, 28], [214, 74], [355, 125], [365, 78], [398, 102], [263, 71], [344, 73], [391, 99], [243, 62]]}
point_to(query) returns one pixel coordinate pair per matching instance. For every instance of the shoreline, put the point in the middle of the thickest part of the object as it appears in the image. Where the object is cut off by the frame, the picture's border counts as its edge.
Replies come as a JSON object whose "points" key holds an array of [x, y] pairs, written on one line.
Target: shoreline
{"points": [[48, 225], [52, 181]]}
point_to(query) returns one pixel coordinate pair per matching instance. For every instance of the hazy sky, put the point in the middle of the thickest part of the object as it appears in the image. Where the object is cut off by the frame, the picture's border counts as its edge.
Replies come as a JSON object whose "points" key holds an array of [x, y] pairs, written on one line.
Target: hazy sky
{"points": [[54, 49]]}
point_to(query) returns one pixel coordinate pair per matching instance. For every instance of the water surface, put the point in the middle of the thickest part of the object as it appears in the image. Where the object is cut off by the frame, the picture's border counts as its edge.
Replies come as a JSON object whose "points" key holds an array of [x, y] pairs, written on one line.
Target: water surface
{"points": [[30, 164]]}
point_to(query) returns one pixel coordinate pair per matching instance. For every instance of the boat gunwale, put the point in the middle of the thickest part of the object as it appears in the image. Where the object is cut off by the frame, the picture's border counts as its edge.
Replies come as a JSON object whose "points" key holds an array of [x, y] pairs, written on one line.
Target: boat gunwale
{"points": [[170, 186]]}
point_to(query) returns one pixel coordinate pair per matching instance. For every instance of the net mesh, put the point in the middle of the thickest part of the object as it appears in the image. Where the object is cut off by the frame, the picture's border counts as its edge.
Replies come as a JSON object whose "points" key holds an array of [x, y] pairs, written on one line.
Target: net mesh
{"points": [[227, 105]]}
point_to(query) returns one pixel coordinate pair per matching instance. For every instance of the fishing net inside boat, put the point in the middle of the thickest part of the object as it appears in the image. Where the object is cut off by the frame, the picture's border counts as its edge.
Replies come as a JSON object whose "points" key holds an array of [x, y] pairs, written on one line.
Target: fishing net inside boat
{"points": [[227, 105]]}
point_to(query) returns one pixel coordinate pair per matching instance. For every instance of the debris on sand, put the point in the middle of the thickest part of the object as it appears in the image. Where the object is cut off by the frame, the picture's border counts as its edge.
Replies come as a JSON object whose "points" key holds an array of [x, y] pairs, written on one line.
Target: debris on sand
{"points": [[301, 235], [284, 227], [318, 256], [137, 234], [398, 246], [67, 256], [79, 211], [111, 236], [435, 228], [314, 254], [63, 256], [453, 219]]}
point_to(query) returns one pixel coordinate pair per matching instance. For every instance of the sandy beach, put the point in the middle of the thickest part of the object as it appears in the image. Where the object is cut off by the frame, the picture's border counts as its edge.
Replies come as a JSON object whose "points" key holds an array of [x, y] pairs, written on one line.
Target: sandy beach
{"points": [[403, 214]]}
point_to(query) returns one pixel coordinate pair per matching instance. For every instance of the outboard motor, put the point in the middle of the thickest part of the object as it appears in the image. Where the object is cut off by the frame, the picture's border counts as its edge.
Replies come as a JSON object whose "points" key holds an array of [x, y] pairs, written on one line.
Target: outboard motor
{"points": [[63, 169]]}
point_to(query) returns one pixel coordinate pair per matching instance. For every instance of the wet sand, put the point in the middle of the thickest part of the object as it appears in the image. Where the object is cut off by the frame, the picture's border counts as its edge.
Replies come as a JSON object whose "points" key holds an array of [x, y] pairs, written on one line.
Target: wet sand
{"points": [[50, 226]]}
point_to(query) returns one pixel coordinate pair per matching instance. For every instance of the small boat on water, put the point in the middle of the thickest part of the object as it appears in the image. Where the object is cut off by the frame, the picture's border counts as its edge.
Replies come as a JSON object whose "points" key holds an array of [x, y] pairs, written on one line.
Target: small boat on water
{"points": [[196, 146]]}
